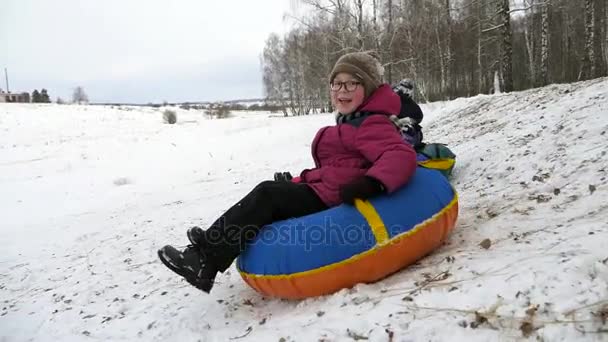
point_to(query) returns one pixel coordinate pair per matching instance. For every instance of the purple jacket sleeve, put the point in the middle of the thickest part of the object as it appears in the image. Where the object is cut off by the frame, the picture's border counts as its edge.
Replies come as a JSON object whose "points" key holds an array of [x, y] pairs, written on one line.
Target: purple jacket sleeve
{"points": [[394, 161]]}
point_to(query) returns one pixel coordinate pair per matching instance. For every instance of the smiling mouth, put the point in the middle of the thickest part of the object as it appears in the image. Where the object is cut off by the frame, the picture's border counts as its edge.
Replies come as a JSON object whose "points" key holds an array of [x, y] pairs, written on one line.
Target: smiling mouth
{"points": [[345, 101]]}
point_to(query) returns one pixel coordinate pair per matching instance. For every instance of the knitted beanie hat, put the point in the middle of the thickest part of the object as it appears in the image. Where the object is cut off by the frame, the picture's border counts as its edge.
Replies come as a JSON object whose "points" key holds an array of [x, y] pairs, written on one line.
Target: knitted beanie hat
{"points": [[364, 66]]}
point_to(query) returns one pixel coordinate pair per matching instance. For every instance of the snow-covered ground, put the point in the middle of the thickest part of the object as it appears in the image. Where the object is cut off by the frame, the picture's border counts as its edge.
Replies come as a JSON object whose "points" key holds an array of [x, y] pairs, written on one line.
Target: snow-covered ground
{"points": [[88, 194]]}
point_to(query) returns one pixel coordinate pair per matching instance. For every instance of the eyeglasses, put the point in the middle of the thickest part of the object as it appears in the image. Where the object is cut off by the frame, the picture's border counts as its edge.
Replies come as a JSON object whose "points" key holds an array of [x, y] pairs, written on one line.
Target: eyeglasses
{"points": [[349, 86]]}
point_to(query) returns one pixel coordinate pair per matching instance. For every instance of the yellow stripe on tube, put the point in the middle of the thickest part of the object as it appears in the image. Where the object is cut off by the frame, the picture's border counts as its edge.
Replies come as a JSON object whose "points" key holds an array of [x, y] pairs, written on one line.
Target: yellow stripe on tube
{"points": [[437, 164], [373, 219]]}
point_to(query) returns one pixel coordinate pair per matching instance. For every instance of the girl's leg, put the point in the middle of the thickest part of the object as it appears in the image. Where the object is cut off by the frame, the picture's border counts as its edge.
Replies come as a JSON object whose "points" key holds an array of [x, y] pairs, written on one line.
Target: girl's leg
{"points": [[268, 202], [216, 248]]}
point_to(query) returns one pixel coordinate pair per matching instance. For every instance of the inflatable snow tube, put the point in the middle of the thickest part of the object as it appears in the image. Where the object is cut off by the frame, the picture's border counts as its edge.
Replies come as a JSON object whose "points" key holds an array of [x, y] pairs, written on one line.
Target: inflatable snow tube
{"points": [[337, 248]]}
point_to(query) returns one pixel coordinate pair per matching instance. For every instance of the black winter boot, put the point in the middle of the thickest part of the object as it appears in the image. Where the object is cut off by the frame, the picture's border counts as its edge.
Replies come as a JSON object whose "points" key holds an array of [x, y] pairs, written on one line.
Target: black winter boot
{"points": [[192, 264], [218, 251]]}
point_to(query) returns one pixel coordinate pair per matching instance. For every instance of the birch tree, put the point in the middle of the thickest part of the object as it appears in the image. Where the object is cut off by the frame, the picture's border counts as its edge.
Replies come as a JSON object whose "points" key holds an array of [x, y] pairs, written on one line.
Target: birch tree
{"points": [[506, 47], [544, 45], [588, 67]]}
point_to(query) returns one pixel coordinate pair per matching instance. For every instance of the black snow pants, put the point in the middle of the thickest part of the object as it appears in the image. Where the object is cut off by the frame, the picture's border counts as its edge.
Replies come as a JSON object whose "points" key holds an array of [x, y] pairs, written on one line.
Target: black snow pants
{"points": [[268, 202]]}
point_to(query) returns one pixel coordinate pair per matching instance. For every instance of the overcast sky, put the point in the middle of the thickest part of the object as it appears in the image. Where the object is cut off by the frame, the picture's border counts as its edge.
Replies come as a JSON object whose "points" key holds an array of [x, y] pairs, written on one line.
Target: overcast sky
{"points": [[139, 51]]}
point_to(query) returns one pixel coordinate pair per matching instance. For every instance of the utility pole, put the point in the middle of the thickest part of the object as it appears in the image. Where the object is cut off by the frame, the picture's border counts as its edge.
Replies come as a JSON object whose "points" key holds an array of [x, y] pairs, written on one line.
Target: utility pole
{"points": [[6, 77]]}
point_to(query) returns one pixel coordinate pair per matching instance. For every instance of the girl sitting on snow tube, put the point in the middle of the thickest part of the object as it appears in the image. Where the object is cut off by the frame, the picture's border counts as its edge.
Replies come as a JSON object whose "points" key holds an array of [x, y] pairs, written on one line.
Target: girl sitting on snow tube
{"points": [[360, 157]]}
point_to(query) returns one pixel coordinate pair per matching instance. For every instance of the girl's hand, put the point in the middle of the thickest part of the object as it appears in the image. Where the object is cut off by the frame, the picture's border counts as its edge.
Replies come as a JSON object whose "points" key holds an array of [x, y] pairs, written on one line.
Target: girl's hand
{"points": [[362, 188], [282, 176]]}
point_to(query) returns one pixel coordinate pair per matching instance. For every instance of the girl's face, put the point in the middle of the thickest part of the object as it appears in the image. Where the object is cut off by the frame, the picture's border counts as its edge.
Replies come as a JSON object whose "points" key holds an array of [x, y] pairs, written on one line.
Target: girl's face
{"points": [[347, 93]]}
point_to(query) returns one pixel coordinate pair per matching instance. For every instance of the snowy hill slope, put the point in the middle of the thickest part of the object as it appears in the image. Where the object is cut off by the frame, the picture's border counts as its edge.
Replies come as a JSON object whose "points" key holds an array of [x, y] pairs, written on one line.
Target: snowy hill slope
{"points": [[90, 193]]}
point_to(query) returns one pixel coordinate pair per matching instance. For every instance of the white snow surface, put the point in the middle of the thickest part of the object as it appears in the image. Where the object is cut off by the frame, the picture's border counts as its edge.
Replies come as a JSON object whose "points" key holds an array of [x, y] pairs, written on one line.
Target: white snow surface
{"points": [[89, 193]]}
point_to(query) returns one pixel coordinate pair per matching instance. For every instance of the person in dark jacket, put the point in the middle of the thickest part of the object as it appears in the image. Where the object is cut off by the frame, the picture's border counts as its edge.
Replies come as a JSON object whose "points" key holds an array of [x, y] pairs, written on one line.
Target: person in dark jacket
{"points": [[362, 156], [410, 115], [409, 107]]}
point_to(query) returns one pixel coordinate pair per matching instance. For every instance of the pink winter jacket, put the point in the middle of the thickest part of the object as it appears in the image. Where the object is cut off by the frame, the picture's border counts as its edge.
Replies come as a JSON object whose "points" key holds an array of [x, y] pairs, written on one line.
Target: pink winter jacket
{"points": [[345, 152]]}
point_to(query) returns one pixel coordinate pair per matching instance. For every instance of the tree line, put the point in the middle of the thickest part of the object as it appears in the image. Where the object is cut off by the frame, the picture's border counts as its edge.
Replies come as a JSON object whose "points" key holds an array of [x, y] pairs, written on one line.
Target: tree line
{"points": [[78, 96], [451, 48], [41, 96]]}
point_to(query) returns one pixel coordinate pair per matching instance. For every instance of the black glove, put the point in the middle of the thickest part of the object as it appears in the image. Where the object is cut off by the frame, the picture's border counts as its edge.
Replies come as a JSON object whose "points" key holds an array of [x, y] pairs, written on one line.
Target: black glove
{"points": [[282, 176], [362, 188]]}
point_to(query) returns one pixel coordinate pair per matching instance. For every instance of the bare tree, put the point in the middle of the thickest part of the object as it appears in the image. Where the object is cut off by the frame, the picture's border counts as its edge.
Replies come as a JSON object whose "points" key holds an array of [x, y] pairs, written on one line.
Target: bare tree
{"points": [[389, 46], [506, 47], [441, 57], [295, 74], [273, 70], [376, 30], [529, 40], [79, 96], [342, 35], [448, 46], [588, 66], [544, 45], [480, 65], [605, 40], [600, 32], [359, 4]]}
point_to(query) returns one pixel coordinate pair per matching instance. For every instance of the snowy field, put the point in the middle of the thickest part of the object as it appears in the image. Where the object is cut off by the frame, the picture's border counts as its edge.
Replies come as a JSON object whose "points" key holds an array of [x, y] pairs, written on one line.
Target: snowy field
{"points": [[88, 194]]}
